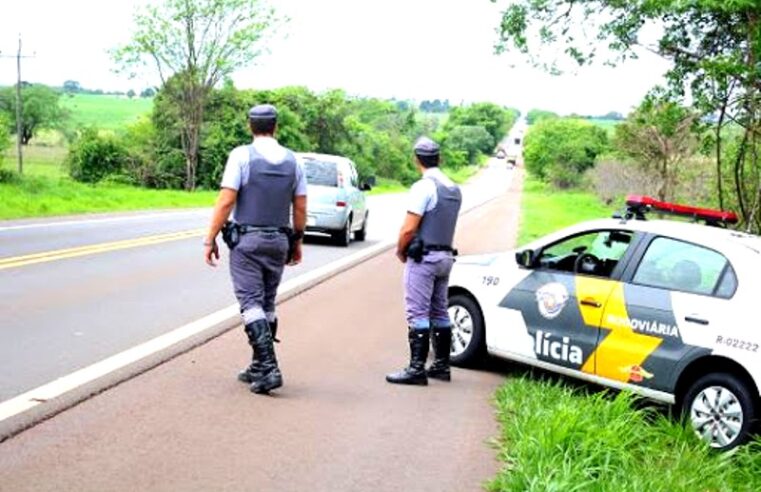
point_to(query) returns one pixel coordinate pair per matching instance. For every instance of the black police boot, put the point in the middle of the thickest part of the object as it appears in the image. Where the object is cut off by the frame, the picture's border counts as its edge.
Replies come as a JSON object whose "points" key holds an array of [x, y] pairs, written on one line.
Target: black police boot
{"points": [[264, 352], [441, 339], [415, 372], [254, 370]]}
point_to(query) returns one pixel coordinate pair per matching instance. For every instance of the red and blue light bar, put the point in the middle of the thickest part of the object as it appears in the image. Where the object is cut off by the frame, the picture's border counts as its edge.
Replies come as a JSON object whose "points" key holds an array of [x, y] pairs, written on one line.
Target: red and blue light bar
{"points": [[640, 204]]}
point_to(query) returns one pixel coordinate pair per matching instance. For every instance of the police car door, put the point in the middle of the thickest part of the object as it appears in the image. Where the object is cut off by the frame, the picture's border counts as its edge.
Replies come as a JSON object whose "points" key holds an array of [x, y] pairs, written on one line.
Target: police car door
{"points": [[669, 309], [563, 299]]}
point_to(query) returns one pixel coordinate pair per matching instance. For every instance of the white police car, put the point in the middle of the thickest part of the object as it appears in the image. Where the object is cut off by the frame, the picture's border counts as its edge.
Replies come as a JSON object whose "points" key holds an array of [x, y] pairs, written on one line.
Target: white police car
{"points": [[667, 309]]}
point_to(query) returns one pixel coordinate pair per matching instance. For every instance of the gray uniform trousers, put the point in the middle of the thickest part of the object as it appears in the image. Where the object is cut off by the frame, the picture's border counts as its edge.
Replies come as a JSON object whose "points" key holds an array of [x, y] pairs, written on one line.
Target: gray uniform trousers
{"points": [[425, 291], [256, 267]]}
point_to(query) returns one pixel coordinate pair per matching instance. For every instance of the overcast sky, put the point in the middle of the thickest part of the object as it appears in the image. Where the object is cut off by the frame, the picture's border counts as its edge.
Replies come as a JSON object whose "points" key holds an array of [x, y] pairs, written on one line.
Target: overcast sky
{"points": [[407, 49]]}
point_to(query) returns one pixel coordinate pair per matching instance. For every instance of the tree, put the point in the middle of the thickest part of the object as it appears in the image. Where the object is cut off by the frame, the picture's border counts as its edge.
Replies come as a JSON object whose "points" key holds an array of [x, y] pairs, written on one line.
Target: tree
{"points": [[40, 106], [493, 118], [559, 150], [715, 48], [537, 115], [148, 92], [659, 136], [72, 87], [130, 93], [5, 137], [473, 140], [197, 43]]}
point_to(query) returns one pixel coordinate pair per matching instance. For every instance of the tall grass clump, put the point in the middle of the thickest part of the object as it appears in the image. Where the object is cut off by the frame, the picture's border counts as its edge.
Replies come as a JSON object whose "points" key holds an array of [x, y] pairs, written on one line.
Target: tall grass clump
{"points": [[561, 438]]}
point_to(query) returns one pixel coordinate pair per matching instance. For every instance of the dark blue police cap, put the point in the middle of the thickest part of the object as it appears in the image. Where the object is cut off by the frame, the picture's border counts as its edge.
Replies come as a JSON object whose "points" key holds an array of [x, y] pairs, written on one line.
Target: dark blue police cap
{"points": [[426, 147], [262, 112]]}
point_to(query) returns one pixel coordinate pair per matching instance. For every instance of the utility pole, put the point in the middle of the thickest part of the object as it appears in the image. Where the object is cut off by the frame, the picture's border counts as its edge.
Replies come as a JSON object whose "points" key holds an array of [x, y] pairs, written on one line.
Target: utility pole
{"points": [[19, 104]]}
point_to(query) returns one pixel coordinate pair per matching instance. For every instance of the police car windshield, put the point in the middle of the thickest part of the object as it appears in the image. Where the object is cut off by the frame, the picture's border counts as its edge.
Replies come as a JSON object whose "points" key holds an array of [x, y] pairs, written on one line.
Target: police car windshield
{"points": [[321, 173]]}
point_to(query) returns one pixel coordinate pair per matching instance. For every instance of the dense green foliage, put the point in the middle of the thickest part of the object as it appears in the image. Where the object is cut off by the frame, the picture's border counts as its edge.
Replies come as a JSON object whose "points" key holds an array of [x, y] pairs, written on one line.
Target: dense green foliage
{"points": [[194, 45], [41, 109], [93, 157], [559, 437], [5, 137], [537, 115], [714, 47], [560, 150], [659, 136], [377, 135]]}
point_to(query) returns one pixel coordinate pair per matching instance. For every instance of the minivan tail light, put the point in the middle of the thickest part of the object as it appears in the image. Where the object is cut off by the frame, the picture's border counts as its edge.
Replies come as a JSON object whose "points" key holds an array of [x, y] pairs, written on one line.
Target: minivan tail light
{"points": [[340, 204]]}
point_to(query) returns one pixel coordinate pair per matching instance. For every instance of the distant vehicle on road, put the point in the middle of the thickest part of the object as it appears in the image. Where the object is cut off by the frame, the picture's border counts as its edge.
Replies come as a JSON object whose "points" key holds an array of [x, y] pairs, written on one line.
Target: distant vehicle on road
{"points": [[336, 203], [501, 154], [666, 309]]}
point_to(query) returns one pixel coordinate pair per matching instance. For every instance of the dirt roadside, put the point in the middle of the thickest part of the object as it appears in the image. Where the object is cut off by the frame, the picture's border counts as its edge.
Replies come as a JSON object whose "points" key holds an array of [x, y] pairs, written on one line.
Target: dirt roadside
{"points": [[336, 425]]}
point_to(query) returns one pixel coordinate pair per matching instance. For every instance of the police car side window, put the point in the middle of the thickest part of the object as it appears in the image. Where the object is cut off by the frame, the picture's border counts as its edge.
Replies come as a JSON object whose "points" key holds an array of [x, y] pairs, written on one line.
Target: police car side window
{"points": [[602, 249], [681, 266]]}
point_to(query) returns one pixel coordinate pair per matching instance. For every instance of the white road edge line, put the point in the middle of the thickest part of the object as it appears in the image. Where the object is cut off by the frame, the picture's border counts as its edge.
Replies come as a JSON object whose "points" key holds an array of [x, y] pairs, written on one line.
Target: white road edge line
{"points": [[288, 289], [65, 384]]}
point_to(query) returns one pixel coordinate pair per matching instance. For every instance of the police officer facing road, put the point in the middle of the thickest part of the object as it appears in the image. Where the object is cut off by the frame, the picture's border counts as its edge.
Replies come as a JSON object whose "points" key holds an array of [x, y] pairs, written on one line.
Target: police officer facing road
{"points": [[261, 181], [425, 246]]}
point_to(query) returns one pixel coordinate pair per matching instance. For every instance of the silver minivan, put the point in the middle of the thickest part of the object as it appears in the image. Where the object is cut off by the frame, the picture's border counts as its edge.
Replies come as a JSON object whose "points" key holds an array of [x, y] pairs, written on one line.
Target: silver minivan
{"points": [[335, 200]]}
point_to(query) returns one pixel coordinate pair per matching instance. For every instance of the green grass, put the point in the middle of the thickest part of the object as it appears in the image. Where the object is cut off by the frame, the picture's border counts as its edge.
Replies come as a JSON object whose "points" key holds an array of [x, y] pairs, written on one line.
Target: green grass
{"points": [[556, 437], [545, 209], [39, 196], [40, 158], [387, 185], [462, 174], [107, 112]]}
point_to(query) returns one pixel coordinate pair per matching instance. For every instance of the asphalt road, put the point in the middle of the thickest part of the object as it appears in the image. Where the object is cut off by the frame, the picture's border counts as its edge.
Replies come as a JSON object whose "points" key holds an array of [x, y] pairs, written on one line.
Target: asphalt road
{"points": [[335, 426], [85, 305]]}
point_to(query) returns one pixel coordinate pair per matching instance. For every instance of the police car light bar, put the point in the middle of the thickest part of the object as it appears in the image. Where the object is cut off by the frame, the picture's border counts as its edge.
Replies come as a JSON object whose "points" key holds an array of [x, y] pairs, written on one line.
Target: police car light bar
{"points": [[638, 205]]}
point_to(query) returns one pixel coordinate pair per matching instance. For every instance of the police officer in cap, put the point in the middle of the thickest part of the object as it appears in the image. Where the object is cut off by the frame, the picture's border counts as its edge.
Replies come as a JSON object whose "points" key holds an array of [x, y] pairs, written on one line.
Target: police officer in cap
{"points": [[263, 182], [425, 246]]}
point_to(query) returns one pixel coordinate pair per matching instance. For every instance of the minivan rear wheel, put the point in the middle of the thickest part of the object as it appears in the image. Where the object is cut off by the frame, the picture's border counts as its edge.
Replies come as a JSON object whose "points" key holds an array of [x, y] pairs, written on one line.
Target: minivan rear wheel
{"points": [[343, 237], [361, 234]]}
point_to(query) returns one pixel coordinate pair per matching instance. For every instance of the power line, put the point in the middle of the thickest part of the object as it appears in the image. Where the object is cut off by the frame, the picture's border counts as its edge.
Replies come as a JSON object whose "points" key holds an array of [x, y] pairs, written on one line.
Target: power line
{"points": [[19, 104]]}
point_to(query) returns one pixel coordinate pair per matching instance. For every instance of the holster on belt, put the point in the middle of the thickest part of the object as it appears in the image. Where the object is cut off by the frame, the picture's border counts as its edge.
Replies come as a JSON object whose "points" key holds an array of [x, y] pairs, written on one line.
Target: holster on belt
{"points": [[291, 235], [231, 234], [416, 250]]}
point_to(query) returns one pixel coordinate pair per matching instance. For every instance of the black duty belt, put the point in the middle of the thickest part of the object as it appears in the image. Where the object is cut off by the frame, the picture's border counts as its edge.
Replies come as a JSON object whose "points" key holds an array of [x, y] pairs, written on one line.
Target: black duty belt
{"points": [[429, 248], [245, 229]]}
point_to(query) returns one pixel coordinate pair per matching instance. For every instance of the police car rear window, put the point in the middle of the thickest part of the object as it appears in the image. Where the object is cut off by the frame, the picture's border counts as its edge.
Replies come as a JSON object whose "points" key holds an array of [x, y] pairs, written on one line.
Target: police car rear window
{"points": [[321, 173]]}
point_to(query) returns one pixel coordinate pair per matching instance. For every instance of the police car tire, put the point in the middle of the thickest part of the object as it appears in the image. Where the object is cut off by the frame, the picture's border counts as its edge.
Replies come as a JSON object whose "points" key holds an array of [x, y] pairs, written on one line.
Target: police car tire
{"points": [[476, 349], [739, 388]]}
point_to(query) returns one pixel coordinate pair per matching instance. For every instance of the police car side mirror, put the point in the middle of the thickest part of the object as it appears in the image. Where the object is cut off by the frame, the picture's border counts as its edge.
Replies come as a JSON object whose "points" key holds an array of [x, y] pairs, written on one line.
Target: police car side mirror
{"points": [[525, 258]]}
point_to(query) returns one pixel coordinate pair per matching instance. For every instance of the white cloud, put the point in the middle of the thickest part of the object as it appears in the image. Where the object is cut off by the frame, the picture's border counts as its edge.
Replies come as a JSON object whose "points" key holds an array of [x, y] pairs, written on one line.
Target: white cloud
{"points": [[419, 49]]}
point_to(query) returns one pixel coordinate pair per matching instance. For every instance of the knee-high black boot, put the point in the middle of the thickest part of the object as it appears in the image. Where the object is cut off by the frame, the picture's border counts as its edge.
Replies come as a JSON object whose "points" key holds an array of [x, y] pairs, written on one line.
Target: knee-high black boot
{"points": [[269, 376], [254, 370], [441, 339], [415, 372]]}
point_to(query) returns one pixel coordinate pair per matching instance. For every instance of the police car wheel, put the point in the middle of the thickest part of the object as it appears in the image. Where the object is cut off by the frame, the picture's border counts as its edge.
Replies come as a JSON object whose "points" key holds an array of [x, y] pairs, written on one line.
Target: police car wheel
{"points": [[468, 340], [720, 409]]}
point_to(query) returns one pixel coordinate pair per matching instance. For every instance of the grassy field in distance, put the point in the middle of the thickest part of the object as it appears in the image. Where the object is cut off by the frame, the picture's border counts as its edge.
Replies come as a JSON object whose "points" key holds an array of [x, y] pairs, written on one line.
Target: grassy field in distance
{"points": [[104, 111]]}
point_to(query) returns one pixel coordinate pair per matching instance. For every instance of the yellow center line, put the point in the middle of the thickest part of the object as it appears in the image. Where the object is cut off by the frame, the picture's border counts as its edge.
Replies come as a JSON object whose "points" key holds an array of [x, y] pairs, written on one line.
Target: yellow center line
{"points": [[60, 254]]}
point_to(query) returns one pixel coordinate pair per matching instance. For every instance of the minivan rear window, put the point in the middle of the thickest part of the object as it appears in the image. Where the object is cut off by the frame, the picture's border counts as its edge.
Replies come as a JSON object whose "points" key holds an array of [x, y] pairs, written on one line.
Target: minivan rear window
{"points": [[321, 173]]}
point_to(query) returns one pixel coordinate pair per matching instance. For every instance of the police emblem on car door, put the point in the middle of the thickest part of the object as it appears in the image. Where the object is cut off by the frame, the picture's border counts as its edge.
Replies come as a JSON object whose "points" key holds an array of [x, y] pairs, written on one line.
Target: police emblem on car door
{"points": [[563, 299]]}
